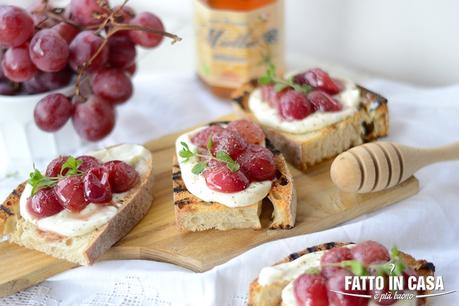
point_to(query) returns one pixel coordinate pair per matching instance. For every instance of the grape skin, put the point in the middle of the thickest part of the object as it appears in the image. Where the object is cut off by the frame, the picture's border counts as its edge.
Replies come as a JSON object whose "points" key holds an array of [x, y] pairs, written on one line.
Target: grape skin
{"points": [[83, 47], [146, 39], [85, 12], [93, 119], [8, 88], [47, 81], [17, 65], [112, 85], [49, 51], [16, 26], [122, 52], [52, 112], [66, 31]]}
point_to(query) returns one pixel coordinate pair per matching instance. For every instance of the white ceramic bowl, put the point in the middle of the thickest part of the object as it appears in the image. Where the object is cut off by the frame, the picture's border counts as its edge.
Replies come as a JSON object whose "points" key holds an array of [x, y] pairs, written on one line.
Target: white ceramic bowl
{"points": [[21, 141]]}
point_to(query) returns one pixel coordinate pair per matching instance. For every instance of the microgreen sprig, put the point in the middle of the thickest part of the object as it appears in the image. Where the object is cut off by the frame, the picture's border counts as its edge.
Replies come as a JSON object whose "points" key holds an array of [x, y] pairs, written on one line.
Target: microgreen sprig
{"points": [[221, 156], [280, 84], [394, 267], [39, 181]]}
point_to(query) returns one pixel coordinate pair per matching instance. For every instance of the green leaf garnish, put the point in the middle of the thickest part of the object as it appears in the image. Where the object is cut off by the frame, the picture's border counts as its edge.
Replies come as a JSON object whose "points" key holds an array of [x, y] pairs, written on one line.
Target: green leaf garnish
{"points": [[313, 270], [356, 267], [394, 252], [234, 167], [71, 165], [39, 181], [395, 267], [185, 152], [264, 80], [279, 87], [198, 168], [230, 163], [280, 83], [210, 144], [222, 156]]}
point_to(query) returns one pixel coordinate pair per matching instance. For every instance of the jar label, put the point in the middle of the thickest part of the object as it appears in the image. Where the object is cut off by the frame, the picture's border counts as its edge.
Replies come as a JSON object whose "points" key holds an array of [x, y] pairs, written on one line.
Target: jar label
{"points": [[233, 47]]}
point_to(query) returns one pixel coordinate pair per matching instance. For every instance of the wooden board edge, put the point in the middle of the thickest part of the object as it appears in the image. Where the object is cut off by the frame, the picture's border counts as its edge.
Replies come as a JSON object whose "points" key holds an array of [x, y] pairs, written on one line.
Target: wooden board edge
{"points": [[410, 188], [40, 275]]}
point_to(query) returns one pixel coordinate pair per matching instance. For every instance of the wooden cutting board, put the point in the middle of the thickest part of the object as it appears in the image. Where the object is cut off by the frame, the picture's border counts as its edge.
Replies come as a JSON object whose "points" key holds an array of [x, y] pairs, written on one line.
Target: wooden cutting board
{"points": [[320, 206]]}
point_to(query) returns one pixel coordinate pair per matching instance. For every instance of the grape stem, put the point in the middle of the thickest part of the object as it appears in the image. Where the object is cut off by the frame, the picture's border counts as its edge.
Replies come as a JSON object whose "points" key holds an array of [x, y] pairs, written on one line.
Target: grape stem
{"points": [[113, 27]]}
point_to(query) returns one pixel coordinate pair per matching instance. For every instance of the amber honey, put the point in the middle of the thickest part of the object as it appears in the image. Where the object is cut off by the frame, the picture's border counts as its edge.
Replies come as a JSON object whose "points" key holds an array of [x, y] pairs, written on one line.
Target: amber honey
{"points": [[235, 39]]}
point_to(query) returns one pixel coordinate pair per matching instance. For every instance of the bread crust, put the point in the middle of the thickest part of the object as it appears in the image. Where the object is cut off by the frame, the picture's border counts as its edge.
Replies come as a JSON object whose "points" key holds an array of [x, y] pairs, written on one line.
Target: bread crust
{"points": [[271, 295], [370, 122], [194, 214], [85, 249]]}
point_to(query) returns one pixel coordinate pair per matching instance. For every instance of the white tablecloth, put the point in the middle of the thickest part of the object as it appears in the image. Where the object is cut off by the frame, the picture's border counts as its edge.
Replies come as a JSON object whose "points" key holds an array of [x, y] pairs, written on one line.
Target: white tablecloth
{"points": [[426, 225]]}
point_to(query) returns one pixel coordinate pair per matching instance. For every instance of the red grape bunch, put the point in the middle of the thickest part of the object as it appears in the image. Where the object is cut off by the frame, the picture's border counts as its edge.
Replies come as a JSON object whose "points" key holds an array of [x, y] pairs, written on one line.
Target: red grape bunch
{"points": [[44, 48]]}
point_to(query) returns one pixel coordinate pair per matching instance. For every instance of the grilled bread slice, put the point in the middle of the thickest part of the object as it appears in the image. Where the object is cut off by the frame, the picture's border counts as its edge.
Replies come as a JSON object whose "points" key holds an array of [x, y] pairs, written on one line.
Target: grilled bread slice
{"points": [[305, 150], [270, 295], [84, 249], [193, 214]]}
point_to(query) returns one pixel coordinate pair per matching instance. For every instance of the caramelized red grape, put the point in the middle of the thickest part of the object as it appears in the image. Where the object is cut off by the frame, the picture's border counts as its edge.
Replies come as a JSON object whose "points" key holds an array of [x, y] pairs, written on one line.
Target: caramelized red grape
{"points": [[202, 137], [311, 290], [251, 132], [334, 256], [44, 203], [323, 102], [269, 95], [230, 142], [93, 119], [143, 38], [89, 12], [49, 51], [70, 192], [17, 65], [318, 79], [369, 252], [122, 176], [83, 47], [294, 105], [122, 52], [97, 186], [222, 179], [112, 85], [16, 26], [55, 166], [87, 163], [52, 112], [336, 282], [257, 163]]}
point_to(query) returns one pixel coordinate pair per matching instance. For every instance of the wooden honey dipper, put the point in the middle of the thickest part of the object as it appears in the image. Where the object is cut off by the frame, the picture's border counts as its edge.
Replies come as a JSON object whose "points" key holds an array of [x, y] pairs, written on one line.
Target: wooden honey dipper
{"points": [[379, 165]]}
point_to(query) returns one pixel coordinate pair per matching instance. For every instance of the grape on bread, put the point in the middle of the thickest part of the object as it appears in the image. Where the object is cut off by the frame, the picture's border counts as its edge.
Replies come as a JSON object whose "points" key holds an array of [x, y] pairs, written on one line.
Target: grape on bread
{"points": [[295, 99], [247, 162]]}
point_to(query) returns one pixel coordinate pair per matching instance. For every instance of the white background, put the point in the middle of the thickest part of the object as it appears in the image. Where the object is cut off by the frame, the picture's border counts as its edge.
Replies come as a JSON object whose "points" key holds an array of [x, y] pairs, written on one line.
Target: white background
{"points": [[414, 41]]}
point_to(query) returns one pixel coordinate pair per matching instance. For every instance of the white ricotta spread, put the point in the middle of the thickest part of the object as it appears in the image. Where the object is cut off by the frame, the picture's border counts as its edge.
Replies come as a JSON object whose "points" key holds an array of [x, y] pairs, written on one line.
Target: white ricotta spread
{"points": [[267, 115], [93, 216], [196, 184]]}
